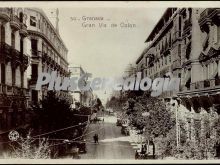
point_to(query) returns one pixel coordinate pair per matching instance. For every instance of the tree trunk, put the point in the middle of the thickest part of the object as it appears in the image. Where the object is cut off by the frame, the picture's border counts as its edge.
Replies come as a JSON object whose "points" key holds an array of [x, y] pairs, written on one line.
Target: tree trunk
{"points": [[153, 149]]}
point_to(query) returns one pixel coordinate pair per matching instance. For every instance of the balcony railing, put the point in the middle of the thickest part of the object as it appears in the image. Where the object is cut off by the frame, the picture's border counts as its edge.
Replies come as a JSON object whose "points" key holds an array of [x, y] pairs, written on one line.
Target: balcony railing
{"points": [[35, 53], [15, 22], [210, 83], [3, 88], [187, 25], [5, 49], [217, 82], [5, 13], [13, 90], [208, 14], [33, 80], [23, 29], [206, 83]]}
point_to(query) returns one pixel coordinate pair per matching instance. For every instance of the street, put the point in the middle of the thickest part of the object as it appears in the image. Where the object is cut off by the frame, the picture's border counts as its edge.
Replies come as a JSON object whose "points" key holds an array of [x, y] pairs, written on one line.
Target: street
{"points": [[112, 144]]}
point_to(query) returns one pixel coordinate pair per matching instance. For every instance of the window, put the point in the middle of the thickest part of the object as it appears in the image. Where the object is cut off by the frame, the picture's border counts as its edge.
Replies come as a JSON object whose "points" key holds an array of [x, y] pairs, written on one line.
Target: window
{"points": [[169, 58], [2, 39], [34, 70], [33, 21], [13, 40], [180, 26], [21, 15], [13, 76], [34, 95], [22, 79], [3, 73], [21, 45], [34, 47]]}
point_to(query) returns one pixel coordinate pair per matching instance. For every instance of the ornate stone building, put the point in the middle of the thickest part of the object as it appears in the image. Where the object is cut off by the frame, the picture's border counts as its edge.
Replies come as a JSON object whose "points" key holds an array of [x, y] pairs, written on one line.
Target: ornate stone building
{"points": [[29, 45], [14, 60], [186, 43], [83, 97], [47, 50]]}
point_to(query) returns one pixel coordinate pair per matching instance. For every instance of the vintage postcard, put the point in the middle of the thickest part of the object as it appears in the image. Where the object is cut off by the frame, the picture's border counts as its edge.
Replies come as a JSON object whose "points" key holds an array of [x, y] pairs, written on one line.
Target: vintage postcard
{"points": [[109, 82]]}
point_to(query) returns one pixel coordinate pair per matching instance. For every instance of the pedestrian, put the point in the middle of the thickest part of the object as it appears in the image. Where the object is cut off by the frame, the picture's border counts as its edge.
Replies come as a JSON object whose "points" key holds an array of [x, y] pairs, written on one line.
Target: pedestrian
{"points": [[97, 138], [136, 154], [94, 137]]}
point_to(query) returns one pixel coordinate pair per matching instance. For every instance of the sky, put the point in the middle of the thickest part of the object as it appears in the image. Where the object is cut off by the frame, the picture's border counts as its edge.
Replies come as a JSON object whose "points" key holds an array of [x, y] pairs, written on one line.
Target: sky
{"points": [[105, 52]]}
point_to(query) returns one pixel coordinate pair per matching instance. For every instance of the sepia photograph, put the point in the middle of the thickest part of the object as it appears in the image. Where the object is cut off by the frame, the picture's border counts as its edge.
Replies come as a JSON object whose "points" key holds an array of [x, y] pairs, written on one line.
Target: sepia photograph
{"points": [[109, 82]]}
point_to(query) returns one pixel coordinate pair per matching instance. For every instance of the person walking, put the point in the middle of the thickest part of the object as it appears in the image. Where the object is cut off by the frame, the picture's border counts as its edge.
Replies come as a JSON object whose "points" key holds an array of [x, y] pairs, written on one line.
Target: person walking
{"points": [[94, 138], [136, 155], [97, 138]]}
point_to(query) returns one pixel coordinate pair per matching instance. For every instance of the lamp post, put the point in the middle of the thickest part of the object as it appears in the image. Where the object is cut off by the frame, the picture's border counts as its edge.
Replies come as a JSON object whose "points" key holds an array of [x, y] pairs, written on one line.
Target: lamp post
{"points": [[177, 124], [146, 114]]}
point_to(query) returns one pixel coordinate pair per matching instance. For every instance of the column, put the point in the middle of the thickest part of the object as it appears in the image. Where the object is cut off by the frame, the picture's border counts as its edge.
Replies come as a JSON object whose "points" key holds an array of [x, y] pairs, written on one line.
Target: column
{"points": [[196, 37], [0, 32], [17, 40], [218, 68], [7, 33], [192, 125], [25, 40], [215, 34], [208, 71], [196, 66], [18, 77], [25, 79], [8, 76]]}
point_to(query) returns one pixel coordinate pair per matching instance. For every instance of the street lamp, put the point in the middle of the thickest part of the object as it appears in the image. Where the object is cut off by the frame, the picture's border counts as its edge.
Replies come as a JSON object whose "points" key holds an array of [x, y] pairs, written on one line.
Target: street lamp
{"points": [[177, 124], [146, 114]]}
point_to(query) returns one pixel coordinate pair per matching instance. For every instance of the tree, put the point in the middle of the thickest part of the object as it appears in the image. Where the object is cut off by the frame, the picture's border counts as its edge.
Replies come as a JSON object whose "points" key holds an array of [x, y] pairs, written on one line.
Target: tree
{"points": [[27, 148], [54, 113], [157, 123]]}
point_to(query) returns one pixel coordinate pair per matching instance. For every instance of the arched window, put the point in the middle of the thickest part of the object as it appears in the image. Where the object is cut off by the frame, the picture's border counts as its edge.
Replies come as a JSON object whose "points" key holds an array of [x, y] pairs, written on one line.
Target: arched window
{"points": [[2, 39], [3, 73], [21, 15], [13, 40]]}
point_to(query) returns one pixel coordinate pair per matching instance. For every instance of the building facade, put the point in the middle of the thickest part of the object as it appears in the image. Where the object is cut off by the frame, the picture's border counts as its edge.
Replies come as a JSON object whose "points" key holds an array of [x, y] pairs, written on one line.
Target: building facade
{"points": [[29, 45], [14, 60], [185, 43], [83, 97], [47, 51]]}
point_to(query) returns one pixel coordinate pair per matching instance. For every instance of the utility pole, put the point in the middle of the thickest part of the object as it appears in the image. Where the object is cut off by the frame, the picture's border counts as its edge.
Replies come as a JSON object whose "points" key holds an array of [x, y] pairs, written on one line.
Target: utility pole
{"points": [[175, 105]]}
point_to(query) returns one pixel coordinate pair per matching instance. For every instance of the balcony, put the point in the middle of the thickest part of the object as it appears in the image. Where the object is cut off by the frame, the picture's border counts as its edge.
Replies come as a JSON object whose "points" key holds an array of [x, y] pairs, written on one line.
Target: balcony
{"points": [[44, 57], [35, 54], [206, 83], [25, 59], [15, 23], [5, 52], [176, 65], [16, 60], [208, 15], [20, 91], [217, 82], [33, 80], [5, 14], [201, 87], [23, 30], [187, 26], [3, 88], [13, 90]]}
